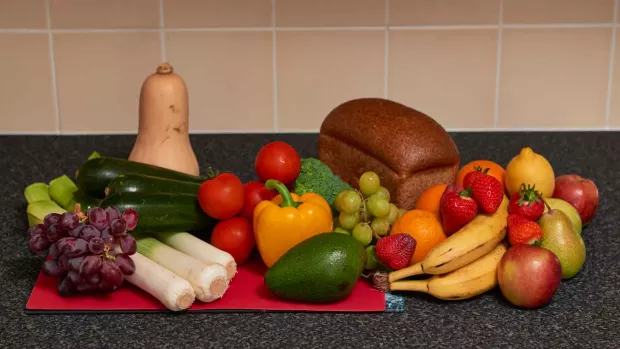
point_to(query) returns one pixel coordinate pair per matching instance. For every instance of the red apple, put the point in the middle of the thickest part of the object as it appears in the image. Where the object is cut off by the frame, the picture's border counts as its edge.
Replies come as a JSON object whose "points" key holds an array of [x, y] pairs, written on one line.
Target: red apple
{"points": [[579, 192], [528, 276]]}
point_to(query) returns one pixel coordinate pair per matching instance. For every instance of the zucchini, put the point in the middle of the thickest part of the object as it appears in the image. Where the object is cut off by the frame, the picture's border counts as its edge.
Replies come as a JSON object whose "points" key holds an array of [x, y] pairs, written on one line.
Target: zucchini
{"points": [[83, 200], [94, 175], [163, 212], [136, 183]]}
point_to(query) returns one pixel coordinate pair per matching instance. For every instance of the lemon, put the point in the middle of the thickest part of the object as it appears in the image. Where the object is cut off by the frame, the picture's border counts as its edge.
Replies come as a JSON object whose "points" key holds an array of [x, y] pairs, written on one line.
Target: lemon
{"points": [[532, 169]]}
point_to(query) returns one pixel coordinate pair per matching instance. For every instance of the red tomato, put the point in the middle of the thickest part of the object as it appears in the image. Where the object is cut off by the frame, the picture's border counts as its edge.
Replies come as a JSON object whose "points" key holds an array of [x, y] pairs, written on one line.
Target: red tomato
{"points": [[222, 196], [254, 192], [277, 160], [234, 236]]}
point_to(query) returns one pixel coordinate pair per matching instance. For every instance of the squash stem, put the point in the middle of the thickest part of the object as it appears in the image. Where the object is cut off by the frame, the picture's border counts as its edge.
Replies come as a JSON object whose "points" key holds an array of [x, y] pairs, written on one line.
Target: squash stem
{"points": [[164, 69], [287, 199]]}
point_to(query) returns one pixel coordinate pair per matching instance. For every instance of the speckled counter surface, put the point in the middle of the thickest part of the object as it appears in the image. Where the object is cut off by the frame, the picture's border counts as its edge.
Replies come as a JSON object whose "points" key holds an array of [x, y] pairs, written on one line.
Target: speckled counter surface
{"points": [[584, 313]]}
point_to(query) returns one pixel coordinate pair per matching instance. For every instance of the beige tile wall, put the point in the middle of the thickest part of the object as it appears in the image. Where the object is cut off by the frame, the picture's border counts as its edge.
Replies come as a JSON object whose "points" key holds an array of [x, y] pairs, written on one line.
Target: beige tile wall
{"points": [[76, 66]]}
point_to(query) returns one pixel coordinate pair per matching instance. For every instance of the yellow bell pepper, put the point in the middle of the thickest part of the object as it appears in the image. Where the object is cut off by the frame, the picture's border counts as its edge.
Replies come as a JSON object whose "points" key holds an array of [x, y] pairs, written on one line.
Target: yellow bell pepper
{"points": [[288, 219]]}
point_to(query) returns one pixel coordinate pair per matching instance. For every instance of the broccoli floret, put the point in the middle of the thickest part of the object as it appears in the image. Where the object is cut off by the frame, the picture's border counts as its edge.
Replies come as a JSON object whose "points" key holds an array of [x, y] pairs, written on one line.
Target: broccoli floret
{"points": [[317, 177]]}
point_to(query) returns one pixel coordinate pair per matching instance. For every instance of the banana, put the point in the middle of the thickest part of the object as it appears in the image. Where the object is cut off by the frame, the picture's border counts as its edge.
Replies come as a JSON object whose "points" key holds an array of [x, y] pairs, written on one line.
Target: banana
{"points": [[471, 242], [469, 281]]}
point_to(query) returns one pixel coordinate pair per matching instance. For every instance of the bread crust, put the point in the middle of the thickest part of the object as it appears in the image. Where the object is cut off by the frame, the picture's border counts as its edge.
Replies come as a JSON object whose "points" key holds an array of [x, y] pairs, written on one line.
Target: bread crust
{"points": [[407, 149]]}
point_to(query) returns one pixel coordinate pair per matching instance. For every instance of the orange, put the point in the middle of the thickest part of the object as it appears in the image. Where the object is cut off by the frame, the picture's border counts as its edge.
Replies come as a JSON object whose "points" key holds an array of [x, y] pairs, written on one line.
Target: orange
{"points": [[495, 170], [429, 200], [424, 227]]}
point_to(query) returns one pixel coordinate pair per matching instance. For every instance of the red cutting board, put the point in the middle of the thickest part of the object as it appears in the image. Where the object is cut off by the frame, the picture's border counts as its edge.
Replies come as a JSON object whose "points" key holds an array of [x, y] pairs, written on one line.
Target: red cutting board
{"points": [[247, 292]]}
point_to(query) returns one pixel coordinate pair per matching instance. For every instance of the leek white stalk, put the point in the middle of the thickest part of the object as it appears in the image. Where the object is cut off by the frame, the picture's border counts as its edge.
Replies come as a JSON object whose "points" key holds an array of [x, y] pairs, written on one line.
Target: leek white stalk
{"points": [[173, 291], [199, 249], [209, 280]]}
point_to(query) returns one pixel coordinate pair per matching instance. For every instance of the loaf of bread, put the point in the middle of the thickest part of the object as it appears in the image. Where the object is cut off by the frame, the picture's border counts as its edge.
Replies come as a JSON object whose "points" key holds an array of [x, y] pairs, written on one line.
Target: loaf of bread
{"points": [[407, 149]]}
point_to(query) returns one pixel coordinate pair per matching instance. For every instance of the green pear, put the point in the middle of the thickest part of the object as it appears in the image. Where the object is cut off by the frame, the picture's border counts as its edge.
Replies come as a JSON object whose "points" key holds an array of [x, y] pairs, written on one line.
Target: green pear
{"points": [[560, 237], [567, 208]]}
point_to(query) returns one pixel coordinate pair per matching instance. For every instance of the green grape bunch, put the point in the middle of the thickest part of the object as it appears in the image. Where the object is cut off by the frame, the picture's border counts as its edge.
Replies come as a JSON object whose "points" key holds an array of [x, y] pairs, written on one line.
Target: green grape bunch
{"points": [[367, 213]]}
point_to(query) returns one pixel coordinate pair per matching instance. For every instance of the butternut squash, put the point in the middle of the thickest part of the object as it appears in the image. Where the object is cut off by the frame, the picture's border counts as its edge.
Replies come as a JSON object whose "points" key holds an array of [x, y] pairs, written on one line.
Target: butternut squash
{"points": [[163, 138]]}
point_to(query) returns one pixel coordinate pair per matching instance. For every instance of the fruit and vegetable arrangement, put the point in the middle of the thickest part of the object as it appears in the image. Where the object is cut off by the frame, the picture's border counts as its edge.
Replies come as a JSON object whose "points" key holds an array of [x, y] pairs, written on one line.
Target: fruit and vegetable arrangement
{"points": [[403, 218]]}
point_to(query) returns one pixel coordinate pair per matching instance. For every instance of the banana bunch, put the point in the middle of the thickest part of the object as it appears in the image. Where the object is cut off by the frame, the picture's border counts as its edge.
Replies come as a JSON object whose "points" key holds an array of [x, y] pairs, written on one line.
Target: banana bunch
{"points": [[464, 265]]}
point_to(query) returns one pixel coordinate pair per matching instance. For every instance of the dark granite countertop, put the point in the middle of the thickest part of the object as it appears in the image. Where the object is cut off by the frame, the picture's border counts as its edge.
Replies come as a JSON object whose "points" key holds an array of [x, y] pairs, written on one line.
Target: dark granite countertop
{"points": [[584, 313]]}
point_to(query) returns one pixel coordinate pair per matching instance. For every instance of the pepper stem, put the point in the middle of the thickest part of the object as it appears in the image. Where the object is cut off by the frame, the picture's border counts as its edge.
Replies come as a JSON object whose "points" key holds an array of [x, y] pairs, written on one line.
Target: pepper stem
{"points": [[287, 199]]}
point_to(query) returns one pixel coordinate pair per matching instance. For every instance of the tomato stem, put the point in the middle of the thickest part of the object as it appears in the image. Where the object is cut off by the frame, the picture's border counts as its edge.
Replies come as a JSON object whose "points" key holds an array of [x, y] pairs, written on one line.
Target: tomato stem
{"points": [[212, 174], [287, 199]]}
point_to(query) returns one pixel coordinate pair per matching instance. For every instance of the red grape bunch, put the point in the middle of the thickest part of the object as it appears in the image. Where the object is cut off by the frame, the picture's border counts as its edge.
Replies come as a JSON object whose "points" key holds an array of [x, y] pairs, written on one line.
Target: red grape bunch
{"points": [[90, 252]]}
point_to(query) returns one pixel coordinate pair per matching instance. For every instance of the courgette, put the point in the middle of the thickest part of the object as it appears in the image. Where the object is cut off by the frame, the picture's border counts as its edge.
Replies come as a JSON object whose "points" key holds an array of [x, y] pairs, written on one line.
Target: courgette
{"points": [[94, 175], [136, 183], [83, 200], [163, 212]]}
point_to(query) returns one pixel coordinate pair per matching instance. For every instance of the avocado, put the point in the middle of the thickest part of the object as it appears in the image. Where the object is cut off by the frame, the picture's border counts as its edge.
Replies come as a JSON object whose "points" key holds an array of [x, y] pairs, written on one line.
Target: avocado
{"points": [[320, 269]]}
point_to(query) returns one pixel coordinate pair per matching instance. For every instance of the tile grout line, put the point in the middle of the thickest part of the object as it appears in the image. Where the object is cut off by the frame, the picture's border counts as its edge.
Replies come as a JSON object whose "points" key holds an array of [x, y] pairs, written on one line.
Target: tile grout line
{"points": [[290, 131], [50, 38], [386, 56], [23, 31], [558, 25], [317, 28], [220, 29], [444, 27], [162, 37], [329, 28], [500, 35], [274, 66], [612, 58]]}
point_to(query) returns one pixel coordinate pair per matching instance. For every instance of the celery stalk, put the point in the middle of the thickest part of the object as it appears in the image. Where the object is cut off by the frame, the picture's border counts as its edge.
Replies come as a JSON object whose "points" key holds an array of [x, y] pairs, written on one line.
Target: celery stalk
{"points": [[61, 191], [199, 249], [38, 210], [32, 220], [66, 194], [94, 155], [37, 192], [209, 280]]}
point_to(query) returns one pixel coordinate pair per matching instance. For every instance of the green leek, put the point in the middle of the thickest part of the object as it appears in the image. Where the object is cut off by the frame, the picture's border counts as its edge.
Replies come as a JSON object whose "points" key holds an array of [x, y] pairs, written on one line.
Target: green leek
{"points": [[37, 192], [199, 249], [209, 280]]}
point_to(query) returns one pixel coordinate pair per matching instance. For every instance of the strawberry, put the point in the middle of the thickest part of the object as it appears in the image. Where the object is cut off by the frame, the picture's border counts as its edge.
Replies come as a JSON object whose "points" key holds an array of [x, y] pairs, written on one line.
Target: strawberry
{"points": [[488, 193], [470, 177], [526, 202], [528, 233], [452, 188], [515, 219], [395, 251], [457, 209]]}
